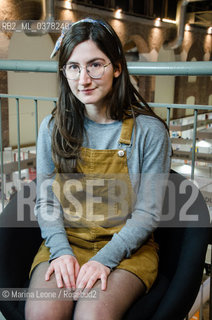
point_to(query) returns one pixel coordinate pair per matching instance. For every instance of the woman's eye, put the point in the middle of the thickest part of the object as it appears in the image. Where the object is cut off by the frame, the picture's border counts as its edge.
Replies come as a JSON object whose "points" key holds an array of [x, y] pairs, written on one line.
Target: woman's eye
{"points": [[96, 65], [72, 67]]}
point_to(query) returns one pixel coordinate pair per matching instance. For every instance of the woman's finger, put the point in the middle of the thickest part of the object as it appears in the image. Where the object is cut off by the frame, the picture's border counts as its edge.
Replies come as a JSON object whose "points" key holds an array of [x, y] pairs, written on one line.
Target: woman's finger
{"points": [[58, 277], [72, 274], [76, 269], [49, 272], [92, 280], [65, 275], [80, 277], [82, 284], [104, 282]]}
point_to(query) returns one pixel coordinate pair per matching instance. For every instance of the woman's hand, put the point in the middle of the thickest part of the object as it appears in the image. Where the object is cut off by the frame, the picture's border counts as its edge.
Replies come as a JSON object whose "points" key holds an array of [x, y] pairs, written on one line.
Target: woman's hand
{"points": [[90, 272], [66, 269]]}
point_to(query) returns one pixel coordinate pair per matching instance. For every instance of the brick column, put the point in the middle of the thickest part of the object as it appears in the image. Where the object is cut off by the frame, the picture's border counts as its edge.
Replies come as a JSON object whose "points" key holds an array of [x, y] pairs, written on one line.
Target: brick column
{"points": [[12, 10], [145, 85]]}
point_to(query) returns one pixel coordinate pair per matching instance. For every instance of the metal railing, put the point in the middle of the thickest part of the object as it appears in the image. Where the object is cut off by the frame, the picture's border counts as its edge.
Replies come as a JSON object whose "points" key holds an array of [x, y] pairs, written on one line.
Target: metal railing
{"points": [[135, 68]]}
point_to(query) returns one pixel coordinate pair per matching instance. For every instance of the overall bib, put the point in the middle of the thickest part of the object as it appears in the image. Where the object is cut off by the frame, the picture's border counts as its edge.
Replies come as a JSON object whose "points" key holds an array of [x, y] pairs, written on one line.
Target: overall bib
{"points": [[101, 200]]}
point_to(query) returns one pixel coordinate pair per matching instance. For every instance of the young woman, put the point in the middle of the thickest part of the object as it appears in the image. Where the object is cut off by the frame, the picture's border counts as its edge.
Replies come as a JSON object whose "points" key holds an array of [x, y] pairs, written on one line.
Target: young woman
{"points": [[106, 149]]}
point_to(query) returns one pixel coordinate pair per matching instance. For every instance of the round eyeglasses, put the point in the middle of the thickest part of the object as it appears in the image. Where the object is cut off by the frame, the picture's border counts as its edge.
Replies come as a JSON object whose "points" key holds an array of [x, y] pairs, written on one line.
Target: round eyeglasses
{"points": [[95, 70]]}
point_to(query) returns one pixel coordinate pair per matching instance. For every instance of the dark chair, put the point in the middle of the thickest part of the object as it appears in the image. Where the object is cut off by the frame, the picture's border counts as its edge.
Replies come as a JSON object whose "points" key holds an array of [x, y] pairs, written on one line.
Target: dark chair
{"points": [[183, 246], [19, 241]]}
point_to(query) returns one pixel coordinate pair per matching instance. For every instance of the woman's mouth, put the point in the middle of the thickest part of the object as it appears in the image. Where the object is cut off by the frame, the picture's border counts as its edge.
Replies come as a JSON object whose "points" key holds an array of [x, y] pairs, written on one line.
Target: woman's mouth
{"points": [[87, 91]]}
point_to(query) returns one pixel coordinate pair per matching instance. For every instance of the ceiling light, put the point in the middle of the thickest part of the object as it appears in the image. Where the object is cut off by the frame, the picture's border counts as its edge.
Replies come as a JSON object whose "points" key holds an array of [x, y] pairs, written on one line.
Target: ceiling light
{"points": [[118, 13], [68, 4], [169, 20], [209, 30], [187, 27], [157, 22]]}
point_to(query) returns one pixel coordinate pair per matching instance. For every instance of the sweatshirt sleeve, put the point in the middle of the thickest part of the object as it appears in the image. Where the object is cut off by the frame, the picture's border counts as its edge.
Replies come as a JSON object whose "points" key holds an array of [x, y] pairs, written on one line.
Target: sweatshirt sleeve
{"points": [[155, 154], [48, 210]]}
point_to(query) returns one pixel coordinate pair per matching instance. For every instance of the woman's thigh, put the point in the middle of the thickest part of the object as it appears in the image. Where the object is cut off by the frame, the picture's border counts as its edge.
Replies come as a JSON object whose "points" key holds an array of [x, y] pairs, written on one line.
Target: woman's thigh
{"points": [[46, 309], [123, 288]]}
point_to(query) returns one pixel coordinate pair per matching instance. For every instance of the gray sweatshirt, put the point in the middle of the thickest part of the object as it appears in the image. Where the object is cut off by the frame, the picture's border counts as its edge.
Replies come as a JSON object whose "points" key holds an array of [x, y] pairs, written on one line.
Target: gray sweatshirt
{"points": [[148, 165]]}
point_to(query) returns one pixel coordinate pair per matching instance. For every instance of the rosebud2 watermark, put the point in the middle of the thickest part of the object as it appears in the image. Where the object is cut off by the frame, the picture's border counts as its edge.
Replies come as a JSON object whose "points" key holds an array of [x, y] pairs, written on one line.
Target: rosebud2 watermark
{"points": [[19, 294]]}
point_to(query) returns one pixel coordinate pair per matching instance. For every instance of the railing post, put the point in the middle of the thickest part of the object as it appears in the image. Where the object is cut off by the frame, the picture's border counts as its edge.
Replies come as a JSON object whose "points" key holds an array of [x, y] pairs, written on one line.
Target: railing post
{"points": [[168, 117], [194, 144], [36, 119], [18, 137]]}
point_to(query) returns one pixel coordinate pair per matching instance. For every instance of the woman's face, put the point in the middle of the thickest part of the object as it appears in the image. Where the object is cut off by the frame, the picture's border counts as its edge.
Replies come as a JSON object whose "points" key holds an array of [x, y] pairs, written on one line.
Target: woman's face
{"points": [[88, 90]]}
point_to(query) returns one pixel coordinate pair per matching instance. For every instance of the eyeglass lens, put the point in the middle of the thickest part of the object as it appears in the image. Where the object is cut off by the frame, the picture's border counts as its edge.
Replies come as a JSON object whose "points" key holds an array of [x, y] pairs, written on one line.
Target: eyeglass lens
{"points": [[95, 70]]}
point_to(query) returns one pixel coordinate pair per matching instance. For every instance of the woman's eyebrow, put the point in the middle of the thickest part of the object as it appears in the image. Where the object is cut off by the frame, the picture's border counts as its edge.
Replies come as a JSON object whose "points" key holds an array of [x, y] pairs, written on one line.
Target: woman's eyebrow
{"points": [[92, 60]]}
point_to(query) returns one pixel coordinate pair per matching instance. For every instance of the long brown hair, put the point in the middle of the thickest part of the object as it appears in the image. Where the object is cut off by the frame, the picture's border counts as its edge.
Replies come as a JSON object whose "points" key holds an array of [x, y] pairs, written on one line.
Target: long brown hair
{"points": [[125, 100]]}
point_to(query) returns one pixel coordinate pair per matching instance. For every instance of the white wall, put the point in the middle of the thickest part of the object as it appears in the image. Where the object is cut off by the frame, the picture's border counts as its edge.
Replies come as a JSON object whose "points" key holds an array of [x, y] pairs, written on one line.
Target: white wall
{"points": [[23, 47]]}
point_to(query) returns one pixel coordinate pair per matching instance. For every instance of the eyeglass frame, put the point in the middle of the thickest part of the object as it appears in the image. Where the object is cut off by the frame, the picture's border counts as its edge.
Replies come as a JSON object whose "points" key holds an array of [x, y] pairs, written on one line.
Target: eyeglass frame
{"points": [[84, 67]]}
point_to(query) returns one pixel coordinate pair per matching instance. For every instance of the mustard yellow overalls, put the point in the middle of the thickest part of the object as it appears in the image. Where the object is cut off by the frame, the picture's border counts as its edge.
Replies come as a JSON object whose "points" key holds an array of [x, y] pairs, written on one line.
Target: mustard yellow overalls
{"points": [[93, 215]]}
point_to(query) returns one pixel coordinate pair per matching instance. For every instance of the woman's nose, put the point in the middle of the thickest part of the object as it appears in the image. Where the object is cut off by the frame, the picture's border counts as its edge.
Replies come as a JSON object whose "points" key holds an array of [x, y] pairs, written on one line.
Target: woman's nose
{"points": [[84, 77]]}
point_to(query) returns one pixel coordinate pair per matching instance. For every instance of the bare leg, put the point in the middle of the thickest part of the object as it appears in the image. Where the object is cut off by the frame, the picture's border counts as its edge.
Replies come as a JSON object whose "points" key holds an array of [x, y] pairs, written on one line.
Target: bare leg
{"points": [[123, 288], [46, 309]]}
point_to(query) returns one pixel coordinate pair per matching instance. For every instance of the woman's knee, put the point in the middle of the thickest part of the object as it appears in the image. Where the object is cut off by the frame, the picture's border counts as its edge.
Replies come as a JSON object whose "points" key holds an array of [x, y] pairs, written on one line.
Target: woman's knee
{"points": [[35, 311], [94, 311], [46, 310]]}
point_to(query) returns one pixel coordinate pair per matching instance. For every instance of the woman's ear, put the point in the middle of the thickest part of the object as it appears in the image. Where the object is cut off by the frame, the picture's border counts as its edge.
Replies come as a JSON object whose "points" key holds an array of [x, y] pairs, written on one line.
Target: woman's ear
{"points": [[117, 70]]}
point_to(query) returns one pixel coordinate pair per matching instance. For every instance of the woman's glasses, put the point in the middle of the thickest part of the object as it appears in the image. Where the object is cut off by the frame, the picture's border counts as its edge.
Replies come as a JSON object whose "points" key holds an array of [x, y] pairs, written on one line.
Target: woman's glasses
{"points": [[94, 69]]}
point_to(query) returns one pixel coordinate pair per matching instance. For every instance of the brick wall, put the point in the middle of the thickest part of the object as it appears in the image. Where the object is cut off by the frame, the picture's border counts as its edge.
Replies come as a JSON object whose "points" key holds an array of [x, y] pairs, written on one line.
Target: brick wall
{"points": [[12, 10]]}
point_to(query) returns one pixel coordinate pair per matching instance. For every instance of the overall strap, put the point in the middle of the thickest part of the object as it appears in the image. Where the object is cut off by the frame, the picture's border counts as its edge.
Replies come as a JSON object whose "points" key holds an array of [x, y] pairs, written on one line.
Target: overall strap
{"points": [[126, 131]]}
